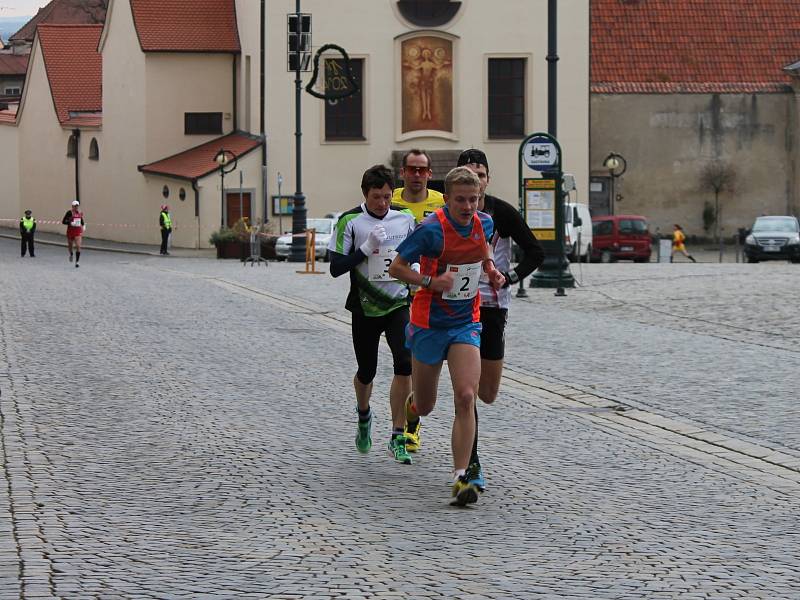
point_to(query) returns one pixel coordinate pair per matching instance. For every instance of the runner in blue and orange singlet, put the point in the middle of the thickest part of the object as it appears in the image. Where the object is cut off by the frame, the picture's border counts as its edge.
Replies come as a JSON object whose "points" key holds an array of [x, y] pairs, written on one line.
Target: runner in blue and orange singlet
{"points": [[452, 249]]}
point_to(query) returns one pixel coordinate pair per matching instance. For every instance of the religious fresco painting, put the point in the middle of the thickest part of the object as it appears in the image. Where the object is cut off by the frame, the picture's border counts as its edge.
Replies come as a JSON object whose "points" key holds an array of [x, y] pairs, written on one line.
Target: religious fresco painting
{"points": [[427, 84]]}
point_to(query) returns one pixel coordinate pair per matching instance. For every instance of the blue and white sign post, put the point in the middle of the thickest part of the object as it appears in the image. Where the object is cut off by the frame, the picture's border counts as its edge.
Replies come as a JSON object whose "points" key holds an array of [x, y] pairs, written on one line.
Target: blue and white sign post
{"points": [[541, 200]]}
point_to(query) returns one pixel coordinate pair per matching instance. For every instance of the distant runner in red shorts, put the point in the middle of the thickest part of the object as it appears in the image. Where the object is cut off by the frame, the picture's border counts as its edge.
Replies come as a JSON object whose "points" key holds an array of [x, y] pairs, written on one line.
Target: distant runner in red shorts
{"points": [[73, 219]]}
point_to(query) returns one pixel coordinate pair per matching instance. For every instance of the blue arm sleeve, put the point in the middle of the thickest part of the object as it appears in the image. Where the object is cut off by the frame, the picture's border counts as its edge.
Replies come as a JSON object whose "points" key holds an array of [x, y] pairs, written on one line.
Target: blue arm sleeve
{"points": [[488, 226]]}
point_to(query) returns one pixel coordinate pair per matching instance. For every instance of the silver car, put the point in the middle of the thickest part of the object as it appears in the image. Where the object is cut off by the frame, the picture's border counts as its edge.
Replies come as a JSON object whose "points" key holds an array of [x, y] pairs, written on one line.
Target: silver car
{"points": [[324, 228]]}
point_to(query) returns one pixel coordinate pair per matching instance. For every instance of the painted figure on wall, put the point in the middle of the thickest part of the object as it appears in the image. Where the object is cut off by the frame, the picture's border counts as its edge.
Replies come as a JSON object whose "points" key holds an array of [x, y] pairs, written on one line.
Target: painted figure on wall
{"points": [[427, 80]]}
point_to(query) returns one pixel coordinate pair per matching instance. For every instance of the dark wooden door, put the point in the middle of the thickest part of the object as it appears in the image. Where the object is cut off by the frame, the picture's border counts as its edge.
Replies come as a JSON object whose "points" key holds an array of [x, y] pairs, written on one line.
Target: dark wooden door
{"points": [[235, 209], [600, 195]]}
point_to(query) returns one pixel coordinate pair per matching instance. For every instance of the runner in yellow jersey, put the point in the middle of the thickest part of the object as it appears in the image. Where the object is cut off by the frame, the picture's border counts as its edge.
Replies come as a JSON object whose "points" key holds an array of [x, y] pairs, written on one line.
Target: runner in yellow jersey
{"points": [[415, 196], [415, 172], [679, 243]]}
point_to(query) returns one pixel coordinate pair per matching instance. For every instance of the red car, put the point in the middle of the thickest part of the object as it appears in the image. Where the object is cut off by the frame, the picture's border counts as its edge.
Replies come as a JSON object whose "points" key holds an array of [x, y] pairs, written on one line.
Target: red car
{"points": [[620, 237]]}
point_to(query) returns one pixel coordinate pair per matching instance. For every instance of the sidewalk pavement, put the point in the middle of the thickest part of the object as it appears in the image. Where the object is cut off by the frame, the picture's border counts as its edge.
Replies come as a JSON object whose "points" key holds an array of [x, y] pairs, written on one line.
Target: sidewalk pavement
{"points": [[56, 239], [702, 254]]}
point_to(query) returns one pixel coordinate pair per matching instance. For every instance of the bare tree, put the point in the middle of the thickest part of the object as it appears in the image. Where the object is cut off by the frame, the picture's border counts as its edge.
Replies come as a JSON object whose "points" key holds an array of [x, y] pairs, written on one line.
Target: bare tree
{"points": [[718, 176], [95, 10]]}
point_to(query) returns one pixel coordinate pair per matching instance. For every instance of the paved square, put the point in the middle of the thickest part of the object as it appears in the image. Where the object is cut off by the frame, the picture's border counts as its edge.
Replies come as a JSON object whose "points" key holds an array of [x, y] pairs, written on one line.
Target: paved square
{"points": [[183, 428]]}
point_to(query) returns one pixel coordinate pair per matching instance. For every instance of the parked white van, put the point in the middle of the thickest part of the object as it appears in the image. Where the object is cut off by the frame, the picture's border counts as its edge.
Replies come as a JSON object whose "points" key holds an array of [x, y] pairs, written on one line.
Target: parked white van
{"points": [[578, 220]]}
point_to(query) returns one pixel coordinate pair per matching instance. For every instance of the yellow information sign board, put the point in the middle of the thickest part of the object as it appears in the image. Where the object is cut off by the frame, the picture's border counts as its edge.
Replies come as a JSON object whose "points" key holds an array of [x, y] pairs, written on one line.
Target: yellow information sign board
{"points": [[540, 207], [544, 234]]}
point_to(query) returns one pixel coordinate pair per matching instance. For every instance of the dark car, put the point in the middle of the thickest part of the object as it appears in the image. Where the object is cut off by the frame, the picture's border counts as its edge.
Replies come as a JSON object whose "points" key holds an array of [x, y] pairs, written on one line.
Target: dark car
{"points": [[620, 237], [773, 238]]}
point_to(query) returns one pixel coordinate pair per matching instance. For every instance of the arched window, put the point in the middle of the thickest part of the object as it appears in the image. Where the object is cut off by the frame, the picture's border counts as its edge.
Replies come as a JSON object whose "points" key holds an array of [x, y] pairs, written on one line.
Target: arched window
{"points": [[94, 150], [72, 146]]}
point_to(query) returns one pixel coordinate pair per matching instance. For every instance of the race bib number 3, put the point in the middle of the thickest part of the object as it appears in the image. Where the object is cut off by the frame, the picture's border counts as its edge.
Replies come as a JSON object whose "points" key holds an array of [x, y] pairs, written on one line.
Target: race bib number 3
{"points": [[378, 263], [465, 286], [76, 222]]}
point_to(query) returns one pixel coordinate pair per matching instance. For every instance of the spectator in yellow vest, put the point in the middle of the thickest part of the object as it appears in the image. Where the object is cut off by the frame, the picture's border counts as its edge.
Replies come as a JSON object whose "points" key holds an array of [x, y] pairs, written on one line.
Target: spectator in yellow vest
{"points": [[27, 227], [165, 221]]}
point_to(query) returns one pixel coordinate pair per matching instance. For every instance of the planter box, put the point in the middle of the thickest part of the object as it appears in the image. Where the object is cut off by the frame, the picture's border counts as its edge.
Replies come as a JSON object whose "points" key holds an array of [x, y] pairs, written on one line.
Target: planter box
{"points": [[268, 247], [233, 249], [241, 250]]}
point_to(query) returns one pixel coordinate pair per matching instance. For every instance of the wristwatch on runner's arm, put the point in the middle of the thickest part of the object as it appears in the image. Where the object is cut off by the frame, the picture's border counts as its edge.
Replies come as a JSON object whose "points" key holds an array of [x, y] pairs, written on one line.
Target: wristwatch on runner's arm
{"points": [[511, 278]]}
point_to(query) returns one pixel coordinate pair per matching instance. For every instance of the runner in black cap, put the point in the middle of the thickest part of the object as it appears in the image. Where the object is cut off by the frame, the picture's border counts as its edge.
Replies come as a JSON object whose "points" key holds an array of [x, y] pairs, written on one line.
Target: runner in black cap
{"points": [[508, 226]]}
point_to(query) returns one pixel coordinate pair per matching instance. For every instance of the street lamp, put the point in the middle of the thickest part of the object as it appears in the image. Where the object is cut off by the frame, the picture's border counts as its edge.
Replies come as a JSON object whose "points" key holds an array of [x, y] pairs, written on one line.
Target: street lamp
{"points": [[616, 165], [227, 161], [299, 223], [280, 205]]}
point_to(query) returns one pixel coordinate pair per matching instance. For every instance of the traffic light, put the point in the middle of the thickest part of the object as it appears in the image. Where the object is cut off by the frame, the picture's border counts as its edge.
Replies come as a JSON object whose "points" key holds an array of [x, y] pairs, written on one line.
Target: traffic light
{"points": [[298, 39]]}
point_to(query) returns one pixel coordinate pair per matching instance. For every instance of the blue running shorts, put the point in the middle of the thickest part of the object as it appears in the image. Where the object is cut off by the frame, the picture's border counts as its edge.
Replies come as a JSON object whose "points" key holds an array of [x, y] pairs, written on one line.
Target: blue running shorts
{"points": [[430, 346]]}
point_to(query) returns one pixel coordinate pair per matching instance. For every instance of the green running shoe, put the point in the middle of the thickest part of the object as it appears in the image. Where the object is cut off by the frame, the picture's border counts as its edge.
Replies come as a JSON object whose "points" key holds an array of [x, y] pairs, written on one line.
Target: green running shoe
{"points": [[364, 435], [397, 448]]}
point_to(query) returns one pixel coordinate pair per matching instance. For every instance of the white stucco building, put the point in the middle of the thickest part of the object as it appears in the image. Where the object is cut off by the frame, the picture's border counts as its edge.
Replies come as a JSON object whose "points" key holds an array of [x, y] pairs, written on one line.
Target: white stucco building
{"points": [[489, 85], [130, 114], [121, 116]]}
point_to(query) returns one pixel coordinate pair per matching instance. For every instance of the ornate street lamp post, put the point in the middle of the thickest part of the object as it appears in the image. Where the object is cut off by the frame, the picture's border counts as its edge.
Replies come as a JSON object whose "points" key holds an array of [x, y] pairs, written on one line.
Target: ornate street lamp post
{"points": [[616, 165], [227, 161]]}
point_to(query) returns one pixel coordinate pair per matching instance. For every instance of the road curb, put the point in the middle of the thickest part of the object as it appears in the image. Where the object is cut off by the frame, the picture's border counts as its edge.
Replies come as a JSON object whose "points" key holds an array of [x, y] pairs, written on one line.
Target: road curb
{"points": [[98, 248]]}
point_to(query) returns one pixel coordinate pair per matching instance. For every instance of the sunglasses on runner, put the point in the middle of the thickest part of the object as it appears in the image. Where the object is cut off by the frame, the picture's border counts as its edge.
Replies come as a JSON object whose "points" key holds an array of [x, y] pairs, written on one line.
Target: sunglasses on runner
{"points": [[416, 170]]}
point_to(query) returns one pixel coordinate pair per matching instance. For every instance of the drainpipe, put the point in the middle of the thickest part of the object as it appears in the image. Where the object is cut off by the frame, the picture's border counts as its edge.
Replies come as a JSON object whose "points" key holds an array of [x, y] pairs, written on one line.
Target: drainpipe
{"points": [[77, 135], [262, 83], [235, 97], [197, 209]]}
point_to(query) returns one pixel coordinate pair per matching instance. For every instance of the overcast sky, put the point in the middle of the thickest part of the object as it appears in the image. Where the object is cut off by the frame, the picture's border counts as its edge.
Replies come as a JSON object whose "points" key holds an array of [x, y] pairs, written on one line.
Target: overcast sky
{"points": [[20, 8]]}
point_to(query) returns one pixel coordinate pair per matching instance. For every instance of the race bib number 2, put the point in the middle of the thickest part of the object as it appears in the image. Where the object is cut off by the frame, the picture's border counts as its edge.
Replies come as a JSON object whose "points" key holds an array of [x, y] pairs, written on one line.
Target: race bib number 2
{"points": [[378, 264], [465, 286]]}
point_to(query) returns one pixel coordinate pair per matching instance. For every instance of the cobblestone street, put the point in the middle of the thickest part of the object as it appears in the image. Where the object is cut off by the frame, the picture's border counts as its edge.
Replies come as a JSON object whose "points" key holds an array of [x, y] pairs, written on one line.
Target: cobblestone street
{"points": [[183, 428]]}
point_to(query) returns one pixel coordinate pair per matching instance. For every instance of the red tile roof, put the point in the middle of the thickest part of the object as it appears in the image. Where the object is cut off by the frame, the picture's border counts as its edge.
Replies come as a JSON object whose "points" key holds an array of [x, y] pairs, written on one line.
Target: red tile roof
{"points": [[83, 120], [74, 67], [662, 46], [199, 161], [13, 64], [186, 25], [64, 12], [9, 116]]}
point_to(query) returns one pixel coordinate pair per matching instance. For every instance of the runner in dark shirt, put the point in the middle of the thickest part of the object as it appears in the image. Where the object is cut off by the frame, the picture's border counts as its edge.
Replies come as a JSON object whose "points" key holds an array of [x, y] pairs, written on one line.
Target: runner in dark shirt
{"points": [[508, 226]]}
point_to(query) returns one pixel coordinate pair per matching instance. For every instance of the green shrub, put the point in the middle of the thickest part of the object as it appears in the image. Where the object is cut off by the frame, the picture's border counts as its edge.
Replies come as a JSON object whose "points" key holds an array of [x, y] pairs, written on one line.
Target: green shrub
{"points": [[223, 234]]}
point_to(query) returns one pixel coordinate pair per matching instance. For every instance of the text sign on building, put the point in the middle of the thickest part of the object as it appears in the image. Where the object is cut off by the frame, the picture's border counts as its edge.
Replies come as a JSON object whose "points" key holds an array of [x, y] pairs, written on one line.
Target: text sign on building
{"points": [[298, 44], [540, 154]]}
